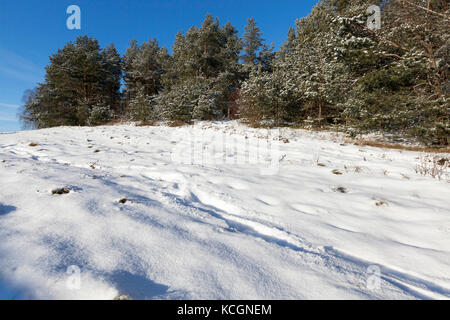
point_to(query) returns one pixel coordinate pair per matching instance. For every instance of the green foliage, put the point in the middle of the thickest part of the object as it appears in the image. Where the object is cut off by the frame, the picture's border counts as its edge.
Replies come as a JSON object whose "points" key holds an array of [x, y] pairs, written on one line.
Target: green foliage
{"points": [[195, 99], [177, 104], [264, 98], [400, 76], [255, 52], [205, 72], [144, 67], [99, 114], [79, 78], [331, 70], [207, 51]]}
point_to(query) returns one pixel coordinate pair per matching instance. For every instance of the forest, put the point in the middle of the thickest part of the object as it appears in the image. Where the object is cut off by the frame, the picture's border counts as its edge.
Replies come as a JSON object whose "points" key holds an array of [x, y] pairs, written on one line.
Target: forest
{"points": [[331, 72]]}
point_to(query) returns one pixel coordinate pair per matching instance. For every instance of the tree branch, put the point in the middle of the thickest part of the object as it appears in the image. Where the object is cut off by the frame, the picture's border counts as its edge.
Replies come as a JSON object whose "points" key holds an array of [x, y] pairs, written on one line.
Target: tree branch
{"points": [[426, 9]]}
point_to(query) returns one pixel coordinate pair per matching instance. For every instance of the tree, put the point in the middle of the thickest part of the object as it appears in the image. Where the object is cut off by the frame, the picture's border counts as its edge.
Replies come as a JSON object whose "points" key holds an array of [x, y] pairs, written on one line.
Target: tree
{"points": [[256, 52], [331, 70], [128, 70], [402, 73], [144, 68], [205, 72], [28, 112], [288, 44], [142, 106], [308, 79], [112, 67], [81, 86]]}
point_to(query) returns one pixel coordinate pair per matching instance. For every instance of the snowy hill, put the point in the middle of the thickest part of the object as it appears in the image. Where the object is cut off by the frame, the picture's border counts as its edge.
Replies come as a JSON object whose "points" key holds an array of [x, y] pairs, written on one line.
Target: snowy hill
{"points": [[185, 213]]}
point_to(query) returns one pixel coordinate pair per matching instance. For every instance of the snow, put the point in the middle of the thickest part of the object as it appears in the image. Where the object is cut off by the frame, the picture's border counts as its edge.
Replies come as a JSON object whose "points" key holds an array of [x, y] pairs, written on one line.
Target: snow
{"points": [[216, 226]]}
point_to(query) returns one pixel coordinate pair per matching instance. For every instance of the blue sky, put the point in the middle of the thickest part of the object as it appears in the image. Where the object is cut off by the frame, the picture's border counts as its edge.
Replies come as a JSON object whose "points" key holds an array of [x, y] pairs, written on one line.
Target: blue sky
{"points": [[30, 31]]}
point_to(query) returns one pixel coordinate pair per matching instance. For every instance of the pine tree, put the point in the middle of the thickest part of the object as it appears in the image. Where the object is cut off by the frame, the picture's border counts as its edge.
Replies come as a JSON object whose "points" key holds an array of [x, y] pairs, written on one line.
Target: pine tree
{"points": [[130, 89], [256, 52], [252, 43], [332, 69], [81, 79], [400, 77], [307, 73], [112, 69], [142, 107], [205, 67], [145, 66], [288, 44]]}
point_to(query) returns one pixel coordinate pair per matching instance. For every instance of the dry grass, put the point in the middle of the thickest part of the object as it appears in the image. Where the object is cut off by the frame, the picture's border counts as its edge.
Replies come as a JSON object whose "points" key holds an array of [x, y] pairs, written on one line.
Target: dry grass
{"points": [[113, 122], [320, 164], [377, 144], [146, 124], [381, 203], [61, 191], [434, 166], [340, 189], [386, 145], [178, 123]]}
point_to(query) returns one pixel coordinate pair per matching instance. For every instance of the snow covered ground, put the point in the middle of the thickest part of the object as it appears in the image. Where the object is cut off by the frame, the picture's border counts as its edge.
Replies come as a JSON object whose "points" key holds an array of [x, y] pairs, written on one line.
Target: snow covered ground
{"points": [[217, 226]]}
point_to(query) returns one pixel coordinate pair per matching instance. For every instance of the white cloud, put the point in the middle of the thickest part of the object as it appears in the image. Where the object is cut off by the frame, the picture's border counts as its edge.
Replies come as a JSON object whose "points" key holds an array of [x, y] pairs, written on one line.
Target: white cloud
{"points": [[8, 105], [8, 119], [17, 67]]}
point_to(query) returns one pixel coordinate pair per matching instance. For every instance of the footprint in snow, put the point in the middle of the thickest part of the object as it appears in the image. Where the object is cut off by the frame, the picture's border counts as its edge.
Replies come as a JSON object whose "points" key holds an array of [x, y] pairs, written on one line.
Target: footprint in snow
{"points": [[237, 185], [299, 207], [267, 200]]}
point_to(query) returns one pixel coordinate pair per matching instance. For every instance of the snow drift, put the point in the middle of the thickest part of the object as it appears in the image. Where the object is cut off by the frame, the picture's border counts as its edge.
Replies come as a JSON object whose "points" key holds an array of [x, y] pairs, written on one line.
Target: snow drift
{"points": [[330, 221]]}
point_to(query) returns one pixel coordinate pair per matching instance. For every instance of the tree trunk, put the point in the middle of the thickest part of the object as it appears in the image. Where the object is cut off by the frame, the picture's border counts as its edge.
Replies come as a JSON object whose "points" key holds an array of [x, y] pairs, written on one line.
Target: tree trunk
{"points": [[320, 111]]}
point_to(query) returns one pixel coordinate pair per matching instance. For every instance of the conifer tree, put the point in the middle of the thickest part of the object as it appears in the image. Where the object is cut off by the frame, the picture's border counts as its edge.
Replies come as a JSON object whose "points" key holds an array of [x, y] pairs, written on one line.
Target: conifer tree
{"points": [[331, 70], [112, 67], [144, 68], [255, 51], [81, 86], [205, 68]]}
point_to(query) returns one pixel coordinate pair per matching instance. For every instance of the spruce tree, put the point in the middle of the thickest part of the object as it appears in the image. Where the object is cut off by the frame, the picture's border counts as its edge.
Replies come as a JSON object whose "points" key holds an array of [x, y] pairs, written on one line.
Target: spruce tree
{"points": [[206, 69], [255, 51], [144, 68], [81, 86]]}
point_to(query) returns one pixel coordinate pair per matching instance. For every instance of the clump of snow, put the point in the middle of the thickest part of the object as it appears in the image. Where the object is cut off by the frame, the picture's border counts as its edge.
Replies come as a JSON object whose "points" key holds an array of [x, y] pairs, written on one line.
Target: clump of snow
{"points": [[222, 229]]}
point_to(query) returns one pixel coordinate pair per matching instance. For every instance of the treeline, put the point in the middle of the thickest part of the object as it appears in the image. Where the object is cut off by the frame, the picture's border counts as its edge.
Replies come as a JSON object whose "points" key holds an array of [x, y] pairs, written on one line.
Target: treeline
{"points": [[331, 71]]}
